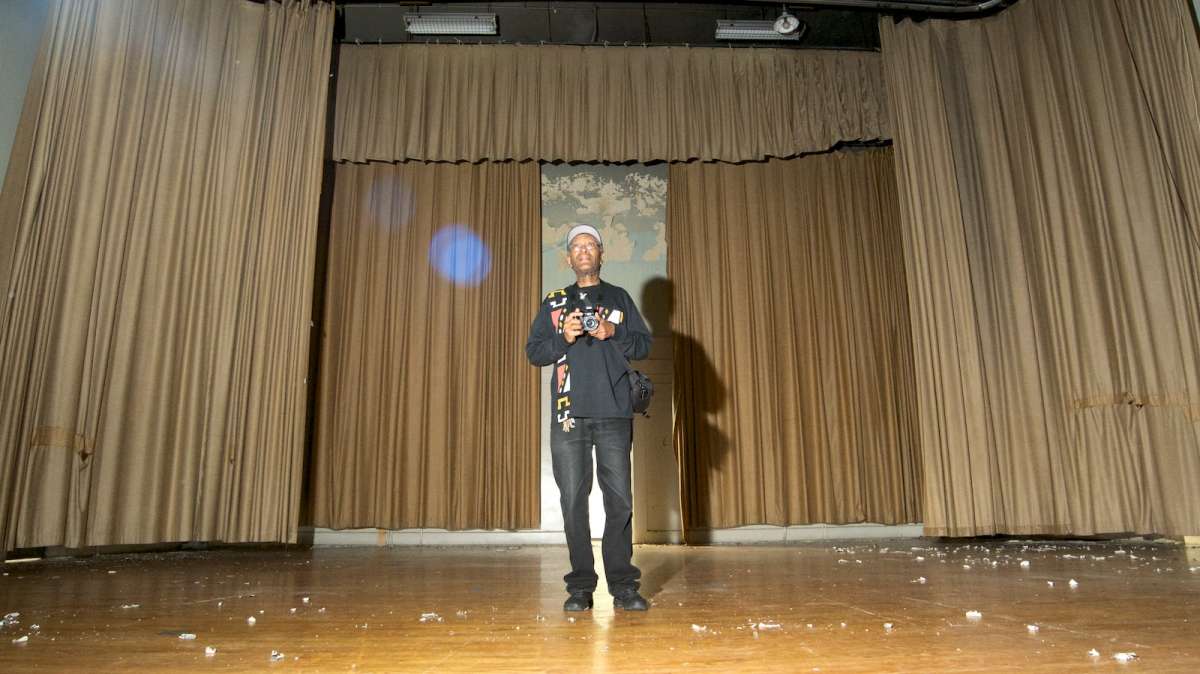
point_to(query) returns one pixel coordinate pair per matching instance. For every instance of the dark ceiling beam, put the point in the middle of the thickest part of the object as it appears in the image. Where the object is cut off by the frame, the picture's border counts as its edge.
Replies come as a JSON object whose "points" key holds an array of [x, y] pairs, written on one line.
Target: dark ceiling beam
{"points": [[959, 7]]}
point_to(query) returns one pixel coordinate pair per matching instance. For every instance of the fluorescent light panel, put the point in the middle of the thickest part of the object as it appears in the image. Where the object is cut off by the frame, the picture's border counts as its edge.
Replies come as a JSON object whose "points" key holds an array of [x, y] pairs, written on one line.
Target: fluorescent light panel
{"points": [[450, 24], [752, 30]]}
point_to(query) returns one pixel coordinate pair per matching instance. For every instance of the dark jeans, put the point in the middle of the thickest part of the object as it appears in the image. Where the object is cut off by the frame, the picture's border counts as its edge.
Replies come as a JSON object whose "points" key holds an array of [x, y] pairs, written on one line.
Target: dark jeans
{"points": [[571, 453]]}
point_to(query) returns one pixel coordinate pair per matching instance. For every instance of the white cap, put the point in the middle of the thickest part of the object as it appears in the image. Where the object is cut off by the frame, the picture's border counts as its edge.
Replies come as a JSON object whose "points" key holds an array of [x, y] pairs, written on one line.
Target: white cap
{"points": [[583, 229]]}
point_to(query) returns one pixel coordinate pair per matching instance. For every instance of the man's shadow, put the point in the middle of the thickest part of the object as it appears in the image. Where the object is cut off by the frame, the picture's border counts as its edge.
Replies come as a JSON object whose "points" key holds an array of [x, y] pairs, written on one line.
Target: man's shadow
{"points": [[699, 393]]}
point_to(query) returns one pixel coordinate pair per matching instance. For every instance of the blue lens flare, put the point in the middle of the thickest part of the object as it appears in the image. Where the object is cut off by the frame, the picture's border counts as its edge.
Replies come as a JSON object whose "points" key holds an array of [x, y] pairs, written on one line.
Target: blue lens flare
{"points": [[459, 255]]}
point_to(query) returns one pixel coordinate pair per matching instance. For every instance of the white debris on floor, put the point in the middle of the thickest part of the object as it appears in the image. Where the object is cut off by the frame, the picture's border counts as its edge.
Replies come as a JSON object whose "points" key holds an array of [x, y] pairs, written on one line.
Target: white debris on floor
{"points": [[187, 636], [974, 615], [431, 618], [1073, 583], [1125, 657], [699, 629], [251, 620], [1033, 629], [276, 656], [210, 651]]}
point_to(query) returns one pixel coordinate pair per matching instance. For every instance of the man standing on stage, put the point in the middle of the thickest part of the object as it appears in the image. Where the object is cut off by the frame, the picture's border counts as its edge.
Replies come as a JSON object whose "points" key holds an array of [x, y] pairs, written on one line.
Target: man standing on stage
{"points": [[589, 331]]}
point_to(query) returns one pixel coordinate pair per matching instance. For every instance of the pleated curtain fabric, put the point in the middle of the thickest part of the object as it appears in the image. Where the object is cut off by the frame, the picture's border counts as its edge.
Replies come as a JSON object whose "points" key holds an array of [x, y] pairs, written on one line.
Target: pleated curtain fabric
{"points": [[428, 412], [615, 104], [157, 233], [1048, 167], [795, 397]]}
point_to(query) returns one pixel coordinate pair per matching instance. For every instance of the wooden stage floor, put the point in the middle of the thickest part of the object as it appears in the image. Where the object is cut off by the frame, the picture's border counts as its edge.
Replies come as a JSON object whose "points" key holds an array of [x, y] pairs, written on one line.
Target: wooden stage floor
{"points": [[870, 606]]}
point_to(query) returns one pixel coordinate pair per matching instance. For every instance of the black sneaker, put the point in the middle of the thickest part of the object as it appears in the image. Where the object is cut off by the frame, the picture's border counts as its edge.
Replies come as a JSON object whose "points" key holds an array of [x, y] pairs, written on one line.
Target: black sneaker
{"points": [[578, 601], [631, 601]]}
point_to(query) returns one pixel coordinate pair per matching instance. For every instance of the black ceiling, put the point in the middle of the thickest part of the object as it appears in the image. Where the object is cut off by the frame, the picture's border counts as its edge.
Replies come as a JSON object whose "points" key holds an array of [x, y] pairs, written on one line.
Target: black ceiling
{"points": [[652, 23], [854, 25]]}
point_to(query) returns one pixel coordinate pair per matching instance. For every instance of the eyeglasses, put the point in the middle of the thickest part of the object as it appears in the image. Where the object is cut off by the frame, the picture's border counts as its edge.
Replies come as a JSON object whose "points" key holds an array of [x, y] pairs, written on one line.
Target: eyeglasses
{"points": [[581, 247]]}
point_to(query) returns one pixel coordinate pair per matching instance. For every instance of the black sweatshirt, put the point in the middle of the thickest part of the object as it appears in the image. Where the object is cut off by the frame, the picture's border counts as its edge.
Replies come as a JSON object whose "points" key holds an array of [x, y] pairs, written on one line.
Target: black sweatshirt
{"points": [[589, 378]]}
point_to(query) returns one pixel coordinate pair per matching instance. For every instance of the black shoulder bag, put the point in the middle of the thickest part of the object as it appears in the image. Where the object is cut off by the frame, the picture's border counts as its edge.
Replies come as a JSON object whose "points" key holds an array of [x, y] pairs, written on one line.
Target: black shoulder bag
{"points": [[641, 389]]}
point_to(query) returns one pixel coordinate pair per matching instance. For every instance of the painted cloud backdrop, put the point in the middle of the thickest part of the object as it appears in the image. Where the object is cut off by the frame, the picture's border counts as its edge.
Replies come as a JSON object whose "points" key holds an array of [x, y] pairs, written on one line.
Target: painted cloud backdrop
{"points": [[628, 204]]}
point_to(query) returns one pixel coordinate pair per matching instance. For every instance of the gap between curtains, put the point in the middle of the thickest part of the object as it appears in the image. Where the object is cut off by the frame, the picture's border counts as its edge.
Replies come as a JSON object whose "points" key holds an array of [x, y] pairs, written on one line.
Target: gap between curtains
{"points": [[428, 410], [156, 245], [1050, 189], [795, 398]]}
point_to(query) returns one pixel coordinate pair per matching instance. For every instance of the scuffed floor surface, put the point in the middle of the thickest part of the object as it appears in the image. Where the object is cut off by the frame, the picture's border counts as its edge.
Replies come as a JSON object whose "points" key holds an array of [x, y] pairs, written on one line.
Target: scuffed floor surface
{"points": [[898, 605]]}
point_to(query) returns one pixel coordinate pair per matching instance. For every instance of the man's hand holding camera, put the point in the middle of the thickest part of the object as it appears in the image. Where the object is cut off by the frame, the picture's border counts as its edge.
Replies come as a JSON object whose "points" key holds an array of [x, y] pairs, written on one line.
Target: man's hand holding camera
{"points": [[604, 330], [573, 327]]}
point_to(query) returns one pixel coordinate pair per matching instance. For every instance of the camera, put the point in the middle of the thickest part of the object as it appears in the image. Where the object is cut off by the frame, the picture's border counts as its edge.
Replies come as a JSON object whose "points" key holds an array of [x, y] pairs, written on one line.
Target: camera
{"points": [[590, 320], [588, 315]]}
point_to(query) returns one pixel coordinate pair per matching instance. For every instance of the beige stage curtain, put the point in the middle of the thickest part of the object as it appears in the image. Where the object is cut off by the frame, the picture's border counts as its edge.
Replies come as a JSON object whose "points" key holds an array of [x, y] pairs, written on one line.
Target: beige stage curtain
{"points": [[795, 398], [158, 229], [551, 103], [428, 411], [1050, 184]]}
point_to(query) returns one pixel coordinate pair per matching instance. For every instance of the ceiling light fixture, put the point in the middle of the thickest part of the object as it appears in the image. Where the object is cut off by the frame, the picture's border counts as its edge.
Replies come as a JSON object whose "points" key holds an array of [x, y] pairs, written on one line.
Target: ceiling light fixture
{"points": [[450, 24], [786, 24], [754, 30]]}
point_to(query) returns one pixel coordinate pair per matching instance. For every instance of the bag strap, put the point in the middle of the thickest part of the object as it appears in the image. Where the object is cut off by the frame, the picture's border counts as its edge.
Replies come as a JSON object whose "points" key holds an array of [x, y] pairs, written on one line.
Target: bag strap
{"points": [[629, 369]]}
